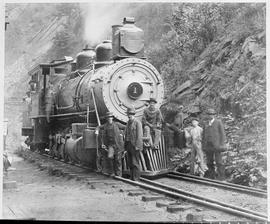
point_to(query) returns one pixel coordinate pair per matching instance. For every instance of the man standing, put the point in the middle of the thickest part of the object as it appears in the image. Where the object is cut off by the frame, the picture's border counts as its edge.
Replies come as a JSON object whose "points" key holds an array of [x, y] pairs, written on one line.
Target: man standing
{"points": [[197, 164], [151, 121], [113, 141], [213, 144], [178, 128], [133, 144]]}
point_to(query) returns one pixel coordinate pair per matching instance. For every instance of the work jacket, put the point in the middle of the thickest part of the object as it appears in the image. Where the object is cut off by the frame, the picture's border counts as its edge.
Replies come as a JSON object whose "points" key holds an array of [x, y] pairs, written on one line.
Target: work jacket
{"points": [[214, 135], [136, 134], [118, 138], [152, 117]]}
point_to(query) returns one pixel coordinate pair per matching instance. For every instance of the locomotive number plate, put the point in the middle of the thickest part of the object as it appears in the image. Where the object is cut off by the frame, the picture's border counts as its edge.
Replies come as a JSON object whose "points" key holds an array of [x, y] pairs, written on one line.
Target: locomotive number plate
{"points": [[134, 90]]}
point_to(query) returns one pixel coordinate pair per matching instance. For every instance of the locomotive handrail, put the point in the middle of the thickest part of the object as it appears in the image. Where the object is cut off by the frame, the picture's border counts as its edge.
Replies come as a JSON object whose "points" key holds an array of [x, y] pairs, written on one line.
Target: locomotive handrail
{"points": [[63, 115], [95, 105]]}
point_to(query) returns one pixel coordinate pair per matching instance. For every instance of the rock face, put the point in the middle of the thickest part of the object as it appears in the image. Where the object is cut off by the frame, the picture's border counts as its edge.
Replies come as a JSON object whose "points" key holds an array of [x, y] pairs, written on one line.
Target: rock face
{"points": [[230, 76]]}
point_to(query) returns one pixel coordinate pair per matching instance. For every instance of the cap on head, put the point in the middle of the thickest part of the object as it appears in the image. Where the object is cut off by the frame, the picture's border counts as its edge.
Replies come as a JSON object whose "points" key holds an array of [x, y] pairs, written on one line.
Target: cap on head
{"points": [[109, 114], [152, 100], [211, 111], [131, 111]]}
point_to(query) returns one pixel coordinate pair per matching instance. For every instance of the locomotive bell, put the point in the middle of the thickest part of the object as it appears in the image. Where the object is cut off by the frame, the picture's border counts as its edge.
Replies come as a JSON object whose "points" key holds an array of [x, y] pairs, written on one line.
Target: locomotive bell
{"points": [[85, 57]]}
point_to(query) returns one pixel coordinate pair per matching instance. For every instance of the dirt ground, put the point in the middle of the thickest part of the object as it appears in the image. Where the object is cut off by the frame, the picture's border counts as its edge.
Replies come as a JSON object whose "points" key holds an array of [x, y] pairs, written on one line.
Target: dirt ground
{"points": [[43, 197]]}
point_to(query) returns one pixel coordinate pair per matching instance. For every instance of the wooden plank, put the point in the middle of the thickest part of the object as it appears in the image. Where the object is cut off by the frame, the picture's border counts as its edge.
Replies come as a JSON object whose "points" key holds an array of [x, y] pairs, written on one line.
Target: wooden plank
{"points": [[160, 156], [164, 153], [140, 164], [150, 160], [163, 150], [157, 157], [161, 153], [143, 161], [153, 159]]}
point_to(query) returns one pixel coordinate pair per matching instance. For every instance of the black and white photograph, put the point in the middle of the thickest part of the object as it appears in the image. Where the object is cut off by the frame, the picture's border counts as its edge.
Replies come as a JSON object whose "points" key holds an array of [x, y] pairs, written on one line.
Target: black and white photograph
{"points": [[135, 111]]}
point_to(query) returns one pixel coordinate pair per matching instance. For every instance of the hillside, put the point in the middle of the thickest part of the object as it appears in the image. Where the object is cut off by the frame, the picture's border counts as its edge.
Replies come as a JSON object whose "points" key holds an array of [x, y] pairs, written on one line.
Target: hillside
{"points": [[230, 76]]}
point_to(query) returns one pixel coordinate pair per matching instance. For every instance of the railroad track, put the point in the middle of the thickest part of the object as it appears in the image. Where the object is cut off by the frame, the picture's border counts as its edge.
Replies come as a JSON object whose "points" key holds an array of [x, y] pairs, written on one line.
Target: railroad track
{"points": [[220, 184], [177, 193]]}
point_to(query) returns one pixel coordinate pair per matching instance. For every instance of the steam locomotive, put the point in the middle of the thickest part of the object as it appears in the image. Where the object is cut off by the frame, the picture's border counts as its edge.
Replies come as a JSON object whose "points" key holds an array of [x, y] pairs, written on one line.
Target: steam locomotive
{"points": [[68, 99]]}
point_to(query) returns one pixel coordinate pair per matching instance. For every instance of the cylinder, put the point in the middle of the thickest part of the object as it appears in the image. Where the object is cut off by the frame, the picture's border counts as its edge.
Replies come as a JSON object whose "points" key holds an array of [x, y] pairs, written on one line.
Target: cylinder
{"points": [[89, 138], [71, 148]]}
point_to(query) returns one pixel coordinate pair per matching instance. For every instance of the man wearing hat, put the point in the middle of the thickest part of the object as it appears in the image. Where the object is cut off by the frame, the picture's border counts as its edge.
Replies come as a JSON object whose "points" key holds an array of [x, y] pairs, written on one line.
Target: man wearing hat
{"points": [[133, 144], [113, 142], [197, 164], [213, 143], [151, 121]]}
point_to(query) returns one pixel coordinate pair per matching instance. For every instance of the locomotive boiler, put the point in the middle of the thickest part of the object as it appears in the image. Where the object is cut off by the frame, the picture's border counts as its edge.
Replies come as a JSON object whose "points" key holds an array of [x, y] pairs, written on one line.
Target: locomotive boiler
{"points": [[68, 99]]}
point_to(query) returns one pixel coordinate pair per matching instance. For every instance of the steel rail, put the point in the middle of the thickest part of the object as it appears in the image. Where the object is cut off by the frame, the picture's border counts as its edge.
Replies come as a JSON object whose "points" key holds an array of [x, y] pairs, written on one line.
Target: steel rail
{"points": [[169, 192], [173, 189], [221, 184]]}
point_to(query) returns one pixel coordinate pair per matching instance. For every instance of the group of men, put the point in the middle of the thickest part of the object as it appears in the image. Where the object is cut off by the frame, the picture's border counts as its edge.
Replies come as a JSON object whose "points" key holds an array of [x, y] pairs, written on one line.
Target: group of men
{"points": [[134, 132], [209, 141]]}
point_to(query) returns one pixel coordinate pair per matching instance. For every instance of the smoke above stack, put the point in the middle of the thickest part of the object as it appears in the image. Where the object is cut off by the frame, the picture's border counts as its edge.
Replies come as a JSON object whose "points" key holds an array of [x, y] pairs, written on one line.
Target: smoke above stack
{"points": [[100, 17]]}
